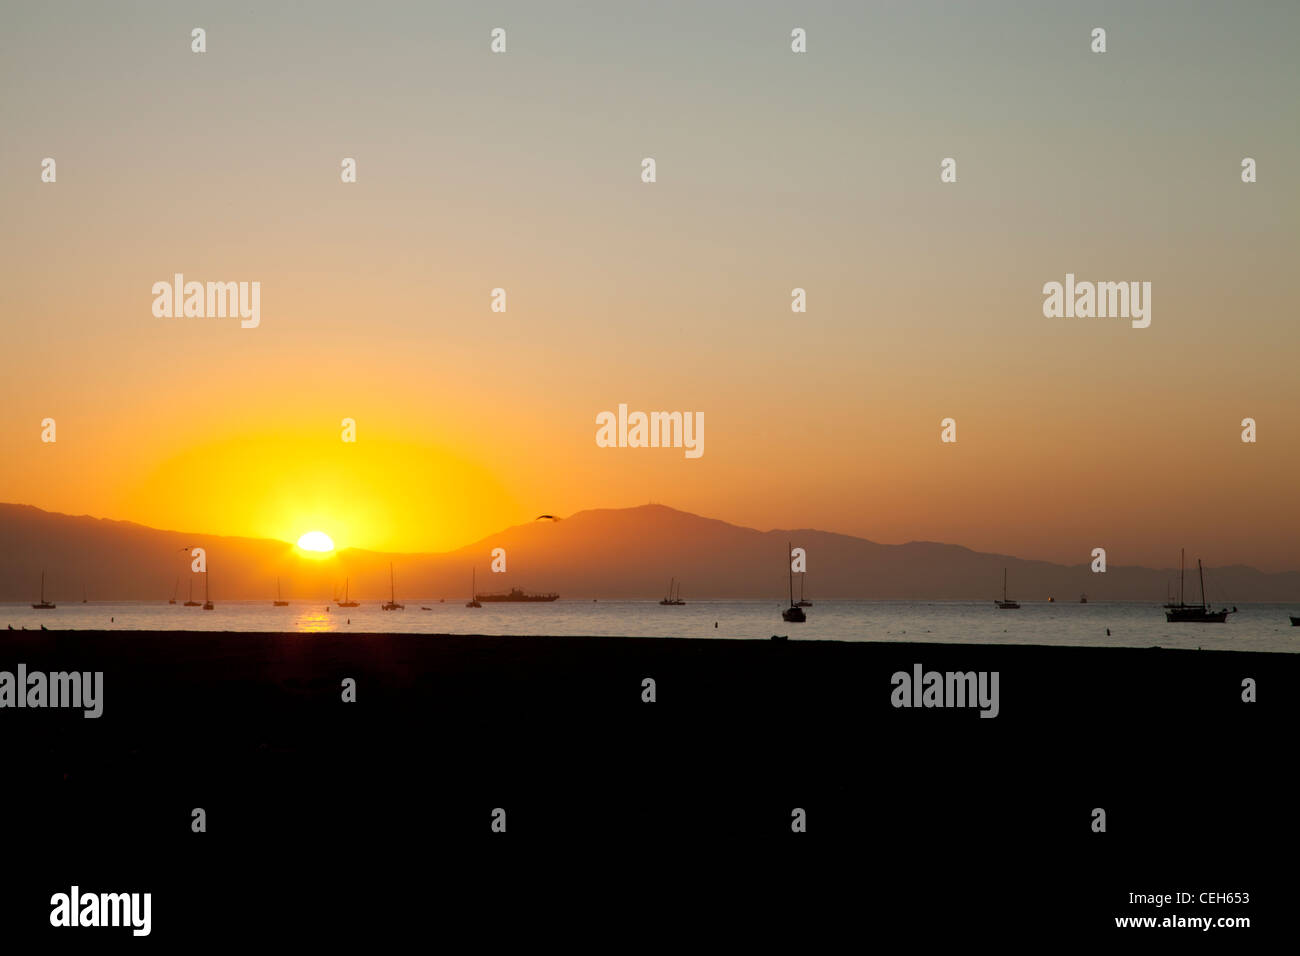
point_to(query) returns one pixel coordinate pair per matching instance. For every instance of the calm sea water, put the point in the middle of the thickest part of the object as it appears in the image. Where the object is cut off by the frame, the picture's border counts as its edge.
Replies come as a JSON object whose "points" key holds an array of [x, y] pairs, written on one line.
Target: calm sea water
{"points": [[1257, 627]]}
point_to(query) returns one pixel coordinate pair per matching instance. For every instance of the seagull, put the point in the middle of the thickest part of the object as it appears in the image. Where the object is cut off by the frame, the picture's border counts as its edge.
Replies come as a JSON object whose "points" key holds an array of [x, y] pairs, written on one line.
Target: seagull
{"points": [[547, 517]]}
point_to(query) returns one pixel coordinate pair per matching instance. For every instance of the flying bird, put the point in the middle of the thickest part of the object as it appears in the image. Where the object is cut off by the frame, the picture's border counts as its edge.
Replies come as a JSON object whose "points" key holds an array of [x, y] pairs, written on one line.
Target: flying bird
{"points": [[547, 517]]}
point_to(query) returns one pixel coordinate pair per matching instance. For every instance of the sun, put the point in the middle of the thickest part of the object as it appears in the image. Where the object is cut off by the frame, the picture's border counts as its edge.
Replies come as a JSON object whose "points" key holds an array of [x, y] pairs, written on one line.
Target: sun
{"points": [[316, 541]]}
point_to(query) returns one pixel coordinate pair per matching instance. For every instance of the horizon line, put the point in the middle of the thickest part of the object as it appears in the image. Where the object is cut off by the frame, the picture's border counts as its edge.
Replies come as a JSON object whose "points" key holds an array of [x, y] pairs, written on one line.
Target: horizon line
{"points": [[651, 504]]}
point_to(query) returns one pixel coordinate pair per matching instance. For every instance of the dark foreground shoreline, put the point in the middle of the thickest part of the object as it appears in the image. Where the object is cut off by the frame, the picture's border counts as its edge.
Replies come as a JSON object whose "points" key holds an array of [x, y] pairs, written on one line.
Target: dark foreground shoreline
{"points": [[313, 803]]}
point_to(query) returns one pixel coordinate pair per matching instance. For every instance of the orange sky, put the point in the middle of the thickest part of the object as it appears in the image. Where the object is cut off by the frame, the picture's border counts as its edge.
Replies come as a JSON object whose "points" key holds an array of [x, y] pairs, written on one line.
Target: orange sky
{"points": [[523, 172]]}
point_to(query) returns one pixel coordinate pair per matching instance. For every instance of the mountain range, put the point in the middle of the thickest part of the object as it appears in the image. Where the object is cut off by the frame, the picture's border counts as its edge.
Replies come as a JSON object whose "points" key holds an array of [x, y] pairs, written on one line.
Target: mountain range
{"points": [[622, 553]]}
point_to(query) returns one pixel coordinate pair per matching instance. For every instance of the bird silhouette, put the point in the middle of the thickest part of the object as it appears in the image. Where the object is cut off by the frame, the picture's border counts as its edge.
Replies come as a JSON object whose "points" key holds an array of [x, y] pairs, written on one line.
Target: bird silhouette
{"points": [[546, 517]]}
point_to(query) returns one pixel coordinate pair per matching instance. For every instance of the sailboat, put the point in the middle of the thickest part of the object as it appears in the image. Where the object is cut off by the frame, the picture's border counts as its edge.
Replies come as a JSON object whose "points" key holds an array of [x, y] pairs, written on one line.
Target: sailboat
{"points": [[794, 613], [176, 587], [278, 602], [207, 602], [801, 602], [1004, 604], [346, 602], [392, 604], [44, 605], [191, 602], [473, 587], [1183, 613], [670, 600]]}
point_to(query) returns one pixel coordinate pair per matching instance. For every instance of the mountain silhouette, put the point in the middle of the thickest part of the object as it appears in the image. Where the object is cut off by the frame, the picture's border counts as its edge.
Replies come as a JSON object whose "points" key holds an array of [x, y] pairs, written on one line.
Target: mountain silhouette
{"points": [[616, 553]]}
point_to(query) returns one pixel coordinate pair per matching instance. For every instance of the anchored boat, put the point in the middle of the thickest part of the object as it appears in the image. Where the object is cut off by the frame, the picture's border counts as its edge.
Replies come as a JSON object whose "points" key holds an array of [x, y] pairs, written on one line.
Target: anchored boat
{"points": [[794, 613], [1183, 613], [44, 605], [392, 604], [516, 595], [670, 600], [1005, 604], [347, 602]]}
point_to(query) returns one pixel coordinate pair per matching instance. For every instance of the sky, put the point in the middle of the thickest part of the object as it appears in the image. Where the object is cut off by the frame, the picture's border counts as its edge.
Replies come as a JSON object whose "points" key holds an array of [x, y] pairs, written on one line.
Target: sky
{"points": [[775, 170]]}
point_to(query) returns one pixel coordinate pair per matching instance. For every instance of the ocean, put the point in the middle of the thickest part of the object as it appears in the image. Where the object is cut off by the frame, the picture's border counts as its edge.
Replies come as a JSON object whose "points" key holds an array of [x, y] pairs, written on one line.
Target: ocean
{"points": [[1256, 627]]}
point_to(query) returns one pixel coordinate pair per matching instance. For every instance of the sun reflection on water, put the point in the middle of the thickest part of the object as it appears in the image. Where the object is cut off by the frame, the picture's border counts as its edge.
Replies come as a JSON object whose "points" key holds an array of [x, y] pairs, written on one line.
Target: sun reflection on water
{"points": [[314, 621]]}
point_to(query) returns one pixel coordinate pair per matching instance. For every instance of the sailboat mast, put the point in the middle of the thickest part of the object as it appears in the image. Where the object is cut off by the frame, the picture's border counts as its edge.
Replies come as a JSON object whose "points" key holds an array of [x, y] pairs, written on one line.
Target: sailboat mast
{"points": [[392, 590], [1202, 572], [788, 550], [1182, 553]]}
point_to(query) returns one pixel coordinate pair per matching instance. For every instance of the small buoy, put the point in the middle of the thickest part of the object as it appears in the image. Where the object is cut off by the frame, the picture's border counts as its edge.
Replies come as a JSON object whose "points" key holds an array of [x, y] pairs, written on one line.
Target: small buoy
{"points": [[349, 620], [1108, 632], [715, 623], [111, 620]]}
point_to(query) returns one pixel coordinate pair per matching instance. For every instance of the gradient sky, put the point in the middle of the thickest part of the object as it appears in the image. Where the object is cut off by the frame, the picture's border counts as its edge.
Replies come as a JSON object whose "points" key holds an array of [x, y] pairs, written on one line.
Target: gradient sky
{"points": [[775, 170]]}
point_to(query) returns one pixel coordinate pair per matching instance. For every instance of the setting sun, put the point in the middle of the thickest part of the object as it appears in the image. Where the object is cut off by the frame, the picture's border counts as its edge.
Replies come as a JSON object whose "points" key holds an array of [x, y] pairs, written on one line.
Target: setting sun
{"points": [[317, 541]]}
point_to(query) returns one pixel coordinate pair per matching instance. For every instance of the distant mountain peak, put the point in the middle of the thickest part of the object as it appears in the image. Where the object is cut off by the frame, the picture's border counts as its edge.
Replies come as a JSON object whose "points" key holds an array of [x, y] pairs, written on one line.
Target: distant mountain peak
{"points": [[599, 552]]}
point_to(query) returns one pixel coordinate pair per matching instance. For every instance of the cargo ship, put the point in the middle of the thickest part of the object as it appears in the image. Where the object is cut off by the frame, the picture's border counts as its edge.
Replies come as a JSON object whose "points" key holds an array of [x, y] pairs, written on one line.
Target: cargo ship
{"points": [[515, 595]]}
